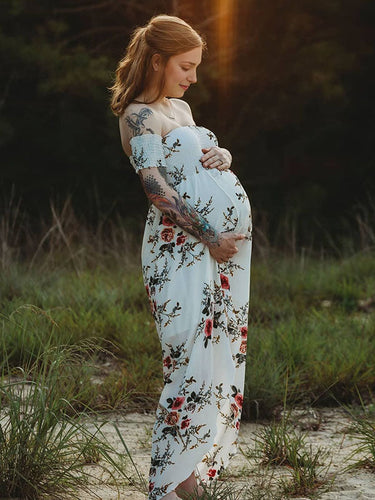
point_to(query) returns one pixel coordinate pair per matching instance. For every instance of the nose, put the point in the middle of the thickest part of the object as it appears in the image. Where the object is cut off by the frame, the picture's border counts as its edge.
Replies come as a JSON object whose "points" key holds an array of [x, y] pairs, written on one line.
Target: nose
{"points": [[193, 77]]}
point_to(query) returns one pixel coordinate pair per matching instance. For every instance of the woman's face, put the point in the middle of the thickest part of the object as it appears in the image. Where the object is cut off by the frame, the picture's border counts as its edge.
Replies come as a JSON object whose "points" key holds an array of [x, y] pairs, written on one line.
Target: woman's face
{"points": [[181, 71]]}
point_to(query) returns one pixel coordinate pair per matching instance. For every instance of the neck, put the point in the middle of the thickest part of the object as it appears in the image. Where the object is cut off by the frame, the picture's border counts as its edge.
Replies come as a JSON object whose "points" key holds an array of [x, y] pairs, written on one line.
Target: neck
{"points": [[149, 95], [163, 104]]}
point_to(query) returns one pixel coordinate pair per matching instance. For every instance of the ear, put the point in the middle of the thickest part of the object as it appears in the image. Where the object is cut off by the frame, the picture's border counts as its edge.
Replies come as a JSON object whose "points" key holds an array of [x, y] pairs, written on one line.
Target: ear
{"points": [[156, 62]]}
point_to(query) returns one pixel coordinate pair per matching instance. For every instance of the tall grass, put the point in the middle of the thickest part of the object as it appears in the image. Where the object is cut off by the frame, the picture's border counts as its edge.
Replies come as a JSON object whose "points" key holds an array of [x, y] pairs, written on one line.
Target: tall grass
{"points": [[311, 317], [95, 378], [363, 432], [308, 323], [45, 442], [280, 444]]}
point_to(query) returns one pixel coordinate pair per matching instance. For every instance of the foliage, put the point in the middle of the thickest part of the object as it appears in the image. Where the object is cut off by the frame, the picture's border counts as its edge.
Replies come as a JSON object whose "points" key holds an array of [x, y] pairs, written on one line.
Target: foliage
{"points": [[45, 444], [311, 319], [363, 430], [76, 337], [287, 90], [306, 325], [278, 443]]}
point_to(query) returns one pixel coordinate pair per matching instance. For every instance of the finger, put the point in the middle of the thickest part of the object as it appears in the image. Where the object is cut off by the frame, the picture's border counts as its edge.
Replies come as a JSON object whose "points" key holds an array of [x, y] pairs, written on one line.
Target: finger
{"points": [[204, 160], [217, 164], [210, 159], [211, 162], [213, 150], [208, 156], [239, 236], [223, 166], [214, 159], [207, 153]]}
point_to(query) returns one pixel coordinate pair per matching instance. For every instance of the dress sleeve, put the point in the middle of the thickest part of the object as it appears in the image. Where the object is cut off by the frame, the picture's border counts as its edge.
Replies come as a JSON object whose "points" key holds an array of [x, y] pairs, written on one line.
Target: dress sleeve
{"points": [[147, 151]]}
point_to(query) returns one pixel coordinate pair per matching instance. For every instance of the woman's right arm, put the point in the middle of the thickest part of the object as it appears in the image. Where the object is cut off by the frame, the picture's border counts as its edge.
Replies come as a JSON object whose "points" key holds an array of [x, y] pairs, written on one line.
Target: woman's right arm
{"points": [[221, 245], [172, 204]]}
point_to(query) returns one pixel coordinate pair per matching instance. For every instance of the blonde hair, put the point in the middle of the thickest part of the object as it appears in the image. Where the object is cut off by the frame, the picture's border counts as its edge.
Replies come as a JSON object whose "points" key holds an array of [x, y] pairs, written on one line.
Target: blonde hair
{"points": [[164, 35]]}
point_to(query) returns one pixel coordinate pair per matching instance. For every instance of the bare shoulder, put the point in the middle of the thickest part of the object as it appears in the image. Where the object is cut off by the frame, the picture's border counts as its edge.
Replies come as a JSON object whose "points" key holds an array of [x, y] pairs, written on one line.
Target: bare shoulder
{"points": [[137, 119]]}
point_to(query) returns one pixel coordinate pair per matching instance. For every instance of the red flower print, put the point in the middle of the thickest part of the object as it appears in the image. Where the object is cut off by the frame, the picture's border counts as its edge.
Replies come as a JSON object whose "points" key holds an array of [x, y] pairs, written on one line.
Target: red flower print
{"points": [[167, 221], [151, 486], [185, 423], [177, 403], [239, 400], [234, 409], [224, 282], [211, 473], [181, 239], [148, 290], [237, 424], [243, 346], [167, 361], [167, 234], [172, 418], [208, 327], [244, 332]]}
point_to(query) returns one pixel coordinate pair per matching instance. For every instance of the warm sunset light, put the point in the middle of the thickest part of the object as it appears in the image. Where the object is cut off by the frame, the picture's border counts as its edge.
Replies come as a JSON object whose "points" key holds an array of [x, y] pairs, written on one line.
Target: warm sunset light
{"points": [[187, 249], [226, 38]]}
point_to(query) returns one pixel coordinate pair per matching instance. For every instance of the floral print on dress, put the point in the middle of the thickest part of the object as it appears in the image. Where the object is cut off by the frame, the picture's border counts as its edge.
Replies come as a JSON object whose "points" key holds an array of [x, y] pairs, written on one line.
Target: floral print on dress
{"points": [[200, 310]]}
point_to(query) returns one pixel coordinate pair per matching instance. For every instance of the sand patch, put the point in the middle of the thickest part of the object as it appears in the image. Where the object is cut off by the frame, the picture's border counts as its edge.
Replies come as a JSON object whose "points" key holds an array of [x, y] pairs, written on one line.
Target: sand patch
{"points": [[332, 433]]}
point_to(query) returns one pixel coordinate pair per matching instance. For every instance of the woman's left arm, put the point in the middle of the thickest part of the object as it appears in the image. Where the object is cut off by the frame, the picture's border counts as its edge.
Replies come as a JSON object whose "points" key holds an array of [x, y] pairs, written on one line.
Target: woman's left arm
{"points": [[216, 157]]}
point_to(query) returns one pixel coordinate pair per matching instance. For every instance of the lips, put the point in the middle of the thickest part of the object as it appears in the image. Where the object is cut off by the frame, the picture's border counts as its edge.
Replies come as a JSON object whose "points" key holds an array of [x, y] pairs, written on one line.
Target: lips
{"points": [[185, 87]]}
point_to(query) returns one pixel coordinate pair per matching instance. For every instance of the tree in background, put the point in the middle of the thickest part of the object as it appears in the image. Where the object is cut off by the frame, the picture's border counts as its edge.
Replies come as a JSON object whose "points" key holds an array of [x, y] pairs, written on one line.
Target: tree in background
{"points": [[287, 85]]}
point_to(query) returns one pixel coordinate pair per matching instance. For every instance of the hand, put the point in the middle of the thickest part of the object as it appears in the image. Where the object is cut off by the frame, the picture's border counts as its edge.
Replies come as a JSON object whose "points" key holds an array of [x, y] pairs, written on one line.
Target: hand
{"points": [[216, 157], [226, 247]]}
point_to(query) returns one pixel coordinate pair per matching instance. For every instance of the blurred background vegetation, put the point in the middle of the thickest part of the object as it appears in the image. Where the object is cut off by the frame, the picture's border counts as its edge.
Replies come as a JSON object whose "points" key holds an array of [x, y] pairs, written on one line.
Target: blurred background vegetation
{"points": [[286, 85]]}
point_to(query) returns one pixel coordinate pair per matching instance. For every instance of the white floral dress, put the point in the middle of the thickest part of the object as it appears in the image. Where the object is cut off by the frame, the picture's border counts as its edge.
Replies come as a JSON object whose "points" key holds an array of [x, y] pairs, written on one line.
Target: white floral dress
{"points": [[200, 309]]}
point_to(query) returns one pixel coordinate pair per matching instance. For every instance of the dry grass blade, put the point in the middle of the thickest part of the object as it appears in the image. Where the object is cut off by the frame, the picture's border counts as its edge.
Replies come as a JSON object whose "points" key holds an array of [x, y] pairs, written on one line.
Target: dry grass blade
{"points": [[44, 443]]}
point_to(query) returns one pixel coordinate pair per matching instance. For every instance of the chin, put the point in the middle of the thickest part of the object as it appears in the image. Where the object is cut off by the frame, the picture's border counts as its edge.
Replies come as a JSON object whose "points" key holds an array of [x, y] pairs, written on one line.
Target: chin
{"points": [[176, 95]]}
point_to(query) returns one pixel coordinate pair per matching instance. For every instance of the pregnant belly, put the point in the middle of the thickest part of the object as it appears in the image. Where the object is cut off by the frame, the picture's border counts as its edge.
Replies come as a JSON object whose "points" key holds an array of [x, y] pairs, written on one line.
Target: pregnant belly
{"points": [[220, 198]]}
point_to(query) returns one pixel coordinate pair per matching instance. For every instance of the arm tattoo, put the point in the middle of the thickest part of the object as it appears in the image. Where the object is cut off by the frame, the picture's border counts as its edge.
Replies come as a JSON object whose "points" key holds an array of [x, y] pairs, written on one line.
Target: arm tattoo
{"points": [[179, 210], [136, 124]]}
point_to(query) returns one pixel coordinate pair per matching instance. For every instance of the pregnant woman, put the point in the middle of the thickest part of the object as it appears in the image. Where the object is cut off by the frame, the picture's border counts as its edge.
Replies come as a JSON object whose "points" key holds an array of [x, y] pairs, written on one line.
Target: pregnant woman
{"points": [[195, 257]]}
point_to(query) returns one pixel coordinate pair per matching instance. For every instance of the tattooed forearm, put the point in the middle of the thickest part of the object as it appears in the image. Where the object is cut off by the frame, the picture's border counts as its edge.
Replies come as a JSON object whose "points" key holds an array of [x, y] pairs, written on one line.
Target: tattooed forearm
{"points": [[152, 187], [172, 204], [189, 219]]}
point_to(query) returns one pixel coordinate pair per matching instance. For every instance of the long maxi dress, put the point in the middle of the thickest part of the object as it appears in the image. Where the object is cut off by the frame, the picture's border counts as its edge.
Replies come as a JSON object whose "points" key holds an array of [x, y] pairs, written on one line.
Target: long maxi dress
{"points": [[200, 309]]}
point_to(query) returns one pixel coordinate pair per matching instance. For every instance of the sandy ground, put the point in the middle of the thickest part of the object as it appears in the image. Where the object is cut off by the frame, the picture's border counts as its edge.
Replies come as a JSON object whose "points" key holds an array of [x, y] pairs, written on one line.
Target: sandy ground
{"points": [[332, 433]]}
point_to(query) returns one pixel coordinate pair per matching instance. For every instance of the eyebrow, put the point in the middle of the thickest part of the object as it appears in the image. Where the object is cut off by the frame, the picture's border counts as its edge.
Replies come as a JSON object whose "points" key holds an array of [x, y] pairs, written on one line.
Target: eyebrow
{"points": [[189, 62]]}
